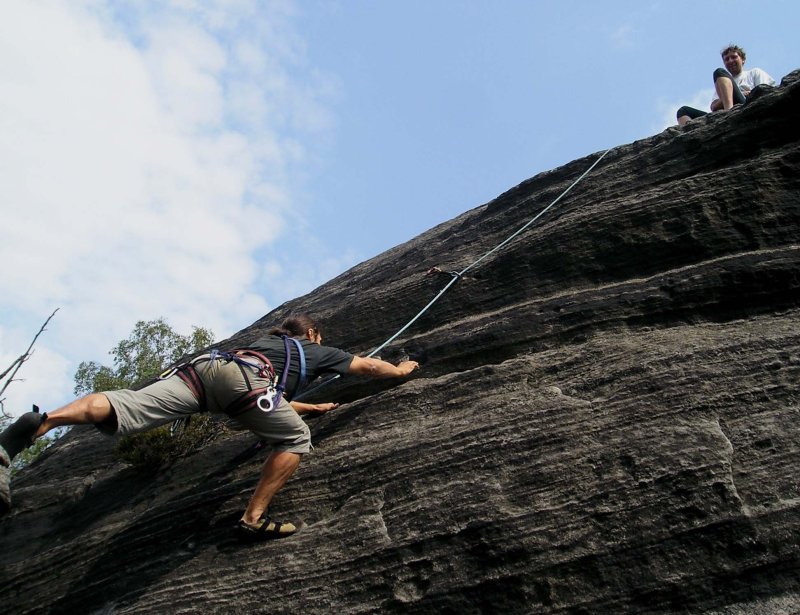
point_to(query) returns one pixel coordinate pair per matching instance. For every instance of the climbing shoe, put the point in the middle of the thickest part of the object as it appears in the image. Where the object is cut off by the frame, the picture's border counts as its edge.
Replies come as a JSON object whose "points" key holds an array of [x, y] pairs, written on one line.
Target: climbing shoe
{"points": [[265, 529], [13, 440], [19, 435]]}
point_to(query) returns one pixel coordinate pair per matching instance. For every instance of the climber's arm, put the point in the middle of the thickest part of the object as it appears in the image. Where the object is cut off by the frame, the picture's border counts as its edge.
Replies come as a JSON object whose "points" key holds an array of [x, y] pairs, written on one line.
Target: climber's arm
{"points": [[376, 368]]}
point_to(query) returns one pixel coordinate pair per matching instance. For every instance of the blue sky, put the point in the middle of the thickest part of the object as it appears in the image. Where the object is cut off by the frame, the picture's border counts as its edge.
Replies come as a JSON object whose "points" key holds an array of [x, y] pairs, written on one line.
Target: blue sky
{"points": [[206, 161]]}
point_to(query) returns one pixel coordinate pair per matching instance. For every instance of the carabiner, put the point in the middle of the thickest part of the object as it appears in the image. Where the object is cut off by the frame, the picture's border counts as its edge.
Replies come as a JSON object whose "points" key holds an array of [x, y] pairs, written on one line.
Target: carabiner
{"points": [[266, 402], [168, 373]]}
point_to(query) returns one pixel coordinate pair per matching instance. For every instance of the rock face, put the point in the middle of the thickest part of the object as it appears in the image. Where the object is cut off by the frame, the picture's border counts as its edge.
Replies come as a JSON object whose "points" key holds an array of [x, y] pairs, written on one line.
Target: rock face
{"points": [[607, 418]]}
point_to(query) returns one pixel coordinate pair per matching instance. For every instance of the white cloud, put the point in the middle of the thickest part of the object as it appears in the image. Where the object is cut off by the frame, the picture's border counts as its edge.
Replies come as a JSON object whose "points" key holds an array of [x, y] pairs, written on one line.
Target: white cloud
{"points": [[146, 158], [623, 36], [185, 63]]}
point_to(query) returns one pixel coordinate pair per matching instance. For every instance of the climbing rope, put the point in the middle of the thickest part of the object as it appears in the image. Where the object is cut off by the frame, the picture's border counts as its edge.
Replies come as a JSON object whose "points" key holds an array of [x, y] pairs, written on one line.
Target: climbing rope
{"points": [[458, 275]]}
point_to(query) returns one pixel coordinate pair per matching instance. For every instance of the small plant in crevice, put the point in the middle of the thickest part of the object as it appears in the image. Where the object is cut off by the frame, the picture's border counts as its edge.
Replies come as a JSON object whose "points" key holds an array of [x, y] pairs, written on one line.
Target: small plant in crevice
{"points": [[161, 447]]}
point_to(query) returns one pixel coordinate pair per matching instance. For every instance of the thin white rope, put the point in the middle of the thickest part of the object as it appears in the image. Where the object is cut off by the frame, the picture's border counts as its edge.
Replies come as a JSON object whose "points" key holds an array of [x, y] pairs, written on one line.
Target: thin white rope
{"points": [[457, 276], [536, 217], [413, 320], [510, 238]]}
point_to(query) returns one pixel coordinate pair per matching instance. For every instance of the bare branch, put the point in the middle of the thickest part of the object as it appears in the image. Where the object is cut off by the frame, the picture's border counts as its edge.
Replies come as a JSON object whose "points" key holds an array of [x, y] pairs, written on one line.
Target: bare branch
{"points": [[14, 368], [17, 360]]}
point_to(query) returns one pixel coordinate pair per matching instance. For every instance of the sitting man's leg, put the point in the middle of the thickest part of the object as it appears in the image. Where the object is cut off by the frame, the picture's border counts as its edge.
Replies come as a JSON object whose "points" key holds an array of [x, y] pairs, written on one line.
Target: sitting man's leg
{"points": [[727, 89], [685, 114]]}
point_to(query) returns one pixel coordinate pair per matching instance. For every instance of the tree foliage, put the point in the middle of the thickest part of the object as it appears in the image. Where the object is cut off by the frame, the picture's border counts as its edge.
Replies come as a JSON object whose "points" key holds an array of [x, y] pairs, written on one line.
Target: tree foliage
{"points": [[29, 454], [151, 347]]}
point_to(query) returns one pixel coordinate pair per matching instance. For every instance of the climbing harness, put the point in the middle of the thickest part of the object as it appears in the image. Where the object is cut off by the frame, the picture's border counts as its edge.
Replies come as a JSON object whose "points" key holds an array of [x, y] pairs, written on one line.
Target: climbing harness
{"points": [[456, 276], [265, 398], [270, 399]]}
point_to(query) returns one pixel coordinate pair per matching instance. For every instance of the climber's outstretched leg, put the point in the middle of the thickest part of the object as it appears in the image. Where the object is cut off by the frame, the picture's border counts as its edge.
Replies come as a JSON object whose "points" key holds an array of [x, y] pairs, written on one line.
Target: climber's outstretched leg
{"points": [[94, 409]]}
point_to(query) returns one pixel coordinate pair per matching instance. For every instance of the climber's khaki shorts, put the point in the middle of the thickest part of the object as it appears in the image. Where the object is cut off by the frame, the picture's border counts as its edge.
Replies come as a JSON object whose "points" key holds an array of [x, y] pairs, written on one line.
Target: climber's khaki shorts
{"points": [[167, 400]]}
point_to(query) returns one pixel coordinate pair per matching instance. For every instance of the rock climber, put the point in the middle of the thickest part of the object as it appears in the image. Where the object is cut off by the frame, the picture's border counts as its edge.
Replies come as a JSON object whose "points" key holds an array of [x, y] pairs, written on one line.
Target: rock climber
{"points": [[732, 84], [253, 386]]}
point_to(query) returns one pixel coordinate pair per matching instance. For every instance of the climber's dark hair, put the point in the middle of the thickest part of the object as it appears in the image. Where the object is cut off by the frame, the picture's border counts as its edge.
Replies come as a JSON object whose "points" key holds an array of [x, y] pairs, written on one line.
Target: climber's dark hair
{"points": [[295, 325]]}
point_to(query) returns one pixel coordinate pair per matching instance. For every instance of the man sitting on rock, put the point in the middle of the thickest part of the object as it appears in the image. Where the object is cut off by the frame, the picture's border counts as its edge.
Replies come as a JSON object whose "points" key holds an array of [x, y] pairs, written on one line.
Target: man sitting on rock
{"points": [[732, 86], [253, 386]]}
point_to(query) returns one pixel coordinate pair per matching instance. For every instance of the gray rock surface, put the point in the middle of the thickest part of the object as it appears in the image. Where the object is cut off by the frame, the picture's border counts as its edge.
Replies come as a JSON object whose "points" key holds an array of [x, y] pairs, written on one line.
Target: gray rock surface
{"points": [[607, 418]]}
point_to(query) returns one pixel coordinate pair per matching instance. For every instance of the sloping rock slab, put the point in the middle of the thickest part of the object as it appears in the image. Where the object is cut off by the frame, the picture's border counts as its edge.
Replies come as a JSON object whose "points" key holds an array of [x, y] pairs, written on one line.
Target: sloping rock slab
{"points": [[607, 418]]}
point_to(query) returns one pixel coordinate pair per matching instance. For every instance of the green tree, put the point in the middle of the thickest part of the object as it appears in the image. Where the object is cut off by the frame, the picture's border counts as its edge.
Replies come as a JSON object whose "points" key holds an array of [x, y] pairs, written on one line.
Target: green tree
{"points": [[29, 454], [151, 347]]}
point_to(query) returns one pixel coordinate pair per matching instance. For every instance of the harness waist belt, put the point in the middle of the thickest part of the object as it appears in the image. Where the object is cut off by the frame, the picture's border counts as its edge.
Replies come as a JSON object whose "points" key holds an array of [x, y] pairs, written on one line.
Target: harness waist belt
{"points": [[269, 395]]}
